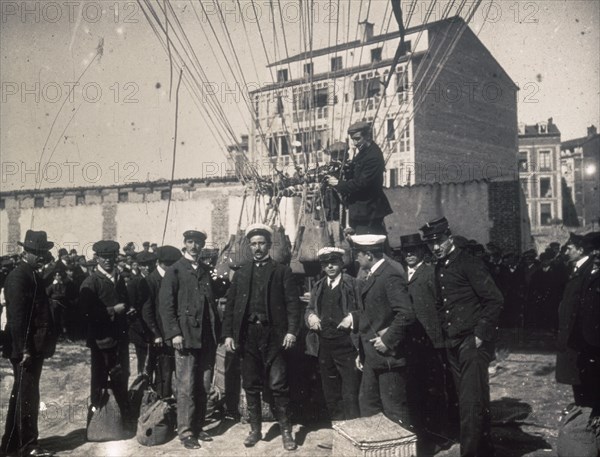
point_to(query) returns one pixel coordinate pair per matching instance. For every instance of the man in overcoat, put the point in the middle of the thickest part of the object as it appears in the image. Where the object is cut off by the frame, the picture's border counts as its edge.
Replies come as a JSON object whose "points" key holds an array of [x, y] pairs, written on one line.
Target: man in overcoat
{"points": [[188, 311], [383, 320], [261, 320], [32, 338], [331, 299], [471, 304], [363, 192], [103, 296], [165, 356]]}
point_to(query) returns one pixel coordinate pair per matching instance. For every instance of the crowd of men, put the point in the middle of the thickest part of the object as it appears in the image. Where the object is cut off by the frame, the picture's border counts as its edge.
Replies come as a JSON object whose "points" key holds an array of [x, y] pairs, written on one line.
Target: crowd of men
{"points": [[411, 335]]}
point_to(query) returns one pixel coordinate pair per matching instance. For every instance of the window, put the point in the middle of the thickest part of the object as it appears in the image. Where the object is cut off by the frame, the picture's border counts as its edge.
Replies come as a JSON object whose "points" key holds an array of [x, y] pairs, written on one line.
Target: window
{"points": [[123, 197], [272, 147], [284, 145], [279, 105], [308, 69], [282, 75], [545, 188], [525, 187], [320, 97], [545, 213], [80, 200], [523, 161], [391, 132], [545, 161], [401, 81], [38, 202], [165, 194], [393, 177], [367, 88], [336, 63], [256, 105], [406, 48], [376, 55], [2, 203]]}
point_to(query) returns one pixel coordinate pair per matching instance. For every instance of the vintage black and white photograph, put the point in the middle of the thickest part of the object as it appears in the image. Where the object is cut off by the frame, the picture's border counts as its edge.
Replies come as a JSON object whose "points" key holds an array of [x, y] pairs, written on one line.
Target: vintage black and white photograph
{"points": [[313, 227]]}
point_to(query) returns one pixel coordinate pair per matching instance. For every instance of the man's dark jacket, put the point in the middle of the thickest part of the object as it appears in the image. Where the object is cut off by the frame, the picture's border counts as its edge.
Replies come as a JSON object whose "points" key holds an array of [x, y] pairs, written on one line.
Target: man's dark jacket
{"points": [[350, 297], [151, 286], [139, 333], [385, 310], [281, 297], [183, 296], [364, 192], [471, 302], [421, 288], [29, 321], [98, 296]]}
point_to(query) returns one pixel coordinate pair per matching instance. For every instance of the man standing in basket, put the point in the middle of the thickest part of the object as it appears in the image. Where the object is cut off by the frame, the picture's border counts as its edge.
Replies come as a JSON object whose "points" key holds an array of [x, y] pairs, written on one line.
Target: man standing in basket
{"points": [[188, 311], [363, 192], [470, 308], [261, 320], [32, 338], [384, 320]]}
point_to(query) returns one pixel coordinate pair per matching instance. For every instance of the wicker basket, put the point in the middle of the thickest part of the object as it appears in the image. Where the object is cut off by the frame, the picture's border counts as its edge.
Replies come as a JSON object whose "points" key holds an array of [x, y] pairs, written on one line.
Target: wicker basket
{"points": [[374, 436]]}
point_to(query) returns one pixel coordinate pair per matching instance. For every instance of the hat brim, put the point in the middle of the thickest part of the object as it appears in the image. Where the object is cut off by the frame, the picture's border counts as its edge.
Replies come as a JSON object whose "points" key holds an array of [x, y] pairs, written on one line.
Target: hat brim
{"points": [[49, 245], [256, 232]]}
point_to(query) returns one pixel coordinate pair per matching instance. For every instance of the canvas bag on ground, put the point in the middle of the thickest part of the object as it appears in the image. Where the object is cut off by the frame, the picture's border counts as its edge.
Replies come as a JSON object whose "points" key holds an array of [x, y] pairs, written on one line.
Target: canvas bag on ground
{"points": [[575, 437], [105, 422], [156, 424]]}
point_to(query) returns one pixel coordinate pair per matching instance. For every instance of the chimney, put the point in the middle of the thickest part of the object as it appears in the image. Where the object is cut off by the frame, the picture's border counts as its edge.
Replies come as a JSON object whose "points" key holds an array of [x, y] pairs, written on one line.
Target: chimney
{"points": [[592, 130], [550, 121], [366, 31]]}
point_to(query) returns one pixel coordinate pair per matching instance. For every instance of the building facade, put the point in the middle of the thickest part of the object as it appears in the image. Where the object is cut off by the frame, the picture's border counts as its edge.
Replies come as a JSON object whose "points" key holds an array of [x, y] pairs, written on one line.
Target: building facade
{"points": [[580, 167], [540, 173], [449, 113]]}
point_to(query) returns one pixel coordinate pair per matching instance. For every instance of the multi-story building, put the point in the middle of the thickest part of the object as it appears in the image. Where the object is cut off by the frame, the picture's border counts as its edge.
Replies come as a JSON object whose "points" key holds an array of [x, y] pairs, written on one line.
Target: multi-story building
{"points": [[449, 113], [580, 163], [540, 173]]}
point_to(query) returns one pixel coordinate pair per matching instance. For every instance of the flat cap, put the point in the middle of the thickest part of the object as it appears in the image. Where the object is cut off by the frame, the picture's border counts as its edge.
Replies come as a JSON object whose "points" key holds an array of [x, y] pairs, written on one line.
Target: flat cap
{"points": [[195, 235], [592, 240], [361, 126], [146, 243], [410, 241], [329, 254], [368, 241], [106, 248], [259, 229], [62, 251], [435, 229], [145, 257], [168, 254]]}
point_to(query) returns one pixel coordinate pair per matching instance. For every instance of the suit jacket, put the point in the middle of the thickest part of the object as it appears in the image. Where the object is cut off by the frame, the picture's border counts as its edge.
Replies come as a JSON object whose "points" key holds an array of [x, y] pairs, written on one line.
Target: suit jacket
{"points": [[421, 288], [98, 296], [350, 298], [281, 297], [137, 290], [364, 192], [29, 321], [183, 296], [385, 310], [589, 315], [150, 313]]}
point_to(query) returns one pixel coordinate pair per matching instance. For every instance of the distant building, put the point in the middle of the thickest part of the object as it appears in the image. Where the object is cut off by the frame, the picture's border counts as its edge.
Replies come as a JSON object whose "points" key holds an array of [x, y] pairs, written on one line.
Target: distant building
{"points": [[449, 113], [580, 163], [540, 173]]}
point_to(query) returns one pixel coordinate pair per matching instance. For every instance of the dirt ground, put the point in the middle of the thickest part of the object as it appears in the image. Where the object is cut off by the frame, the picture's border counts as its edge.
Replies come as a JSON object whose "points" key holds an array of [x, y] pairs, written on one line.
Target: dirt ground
{"points": [[526, 404]]}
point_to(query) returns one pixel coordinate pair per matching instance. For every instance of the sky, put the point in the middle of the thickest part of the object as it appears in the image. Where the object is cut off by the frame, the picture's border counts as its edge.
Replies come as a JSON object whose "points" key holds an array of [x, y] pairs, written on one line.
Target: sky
{"points": [[86, 84]]}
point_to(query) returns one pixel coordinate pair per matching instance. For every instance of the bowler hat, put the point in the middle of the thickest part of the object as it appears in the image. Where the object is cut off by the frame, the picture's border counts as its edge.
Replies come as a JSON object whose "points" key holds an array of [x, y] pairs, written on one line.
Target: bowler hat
{"points": [[168, 254], [435, 229], [575, 239], [195, 235], [410, 241], [106, 248], [592, 240], [36, 241]]}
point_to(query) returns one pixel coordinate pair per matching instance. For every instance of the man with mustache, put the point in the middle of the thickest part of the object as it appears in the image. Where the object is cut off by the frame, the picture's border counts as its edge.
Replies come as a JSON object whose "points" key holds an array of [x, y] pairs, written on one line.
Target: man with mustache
{"points": [[261, 320], [188, 311], [469, 309]]}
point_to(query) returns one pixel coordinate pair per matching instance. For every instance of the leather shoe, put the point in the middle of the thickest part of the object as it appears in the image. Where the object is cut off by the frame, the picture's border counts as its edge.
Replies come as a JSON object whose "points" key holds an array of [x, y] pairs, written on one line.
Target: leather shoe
{"points": [[288, 441], [190, 443], [203, 436], [39, 452], [253, 437]]}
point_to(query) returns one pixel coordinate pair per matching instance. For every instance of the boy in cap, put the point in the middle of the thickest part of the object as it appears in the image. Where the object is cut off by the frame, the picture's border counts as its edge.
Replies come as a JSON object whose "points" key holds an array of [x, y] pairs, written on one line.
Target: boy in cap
{"points": [[331, 299], [32, 339], [165, 356], [363, 192], [470, 308], [103, 296], [262, 319], [383, 320], [188, 311]]}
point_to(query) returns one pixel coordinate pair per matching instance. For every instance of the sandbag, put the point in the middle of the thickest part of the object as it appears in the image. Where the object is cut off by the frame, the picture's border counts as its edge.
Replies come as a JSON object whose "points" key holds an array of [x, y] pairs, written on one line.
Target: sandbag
{"points": [[281, 247], [315, 237], [235, 254], [575, 437], [105, 421], [156, 424]]}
